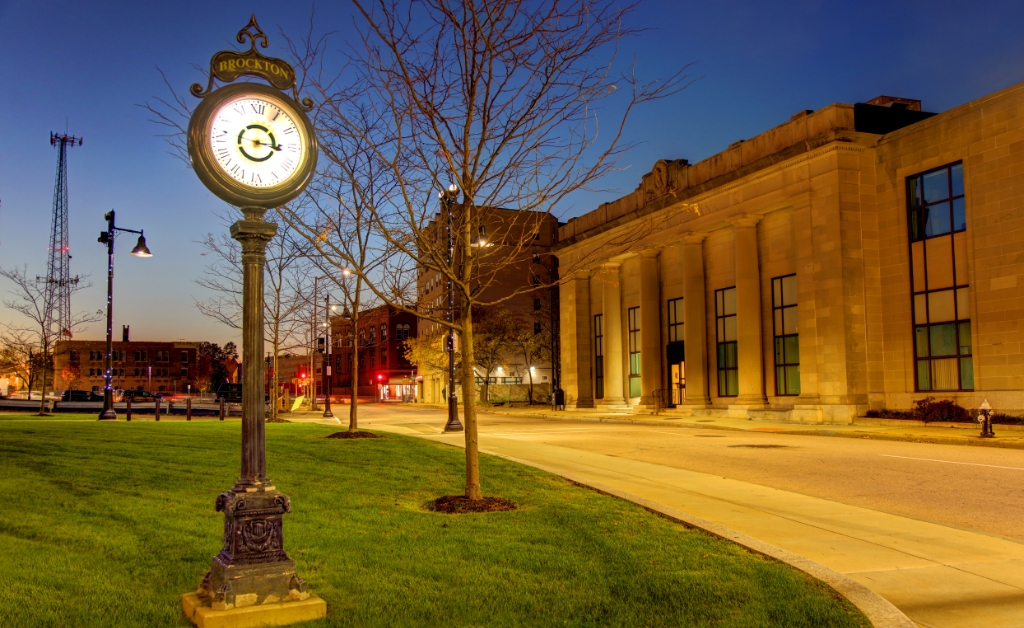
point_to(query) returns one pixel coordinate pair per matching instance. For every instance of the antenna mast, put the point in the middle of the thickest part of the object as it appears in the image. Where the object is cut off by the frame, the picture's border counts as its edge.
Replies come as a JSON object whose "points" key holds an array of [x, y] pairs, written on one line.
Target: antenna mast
{"points": [[58, 271]]}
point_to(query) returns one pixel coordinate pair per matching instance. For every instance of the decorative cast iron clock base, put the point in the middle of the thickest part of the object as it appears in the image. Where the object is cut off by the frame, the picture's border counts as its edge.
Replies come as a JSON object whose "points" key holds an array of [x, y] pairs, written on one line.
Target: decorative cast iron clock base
{"points": [[252, 568]]}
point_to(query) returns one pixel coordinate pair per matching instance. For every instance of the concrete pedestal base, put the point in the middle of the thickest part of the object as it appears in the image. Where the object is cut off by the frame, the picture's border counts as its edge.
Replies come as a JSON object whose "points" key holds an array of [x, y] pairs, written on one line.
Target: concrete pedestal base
{"points": [[273, 614]]}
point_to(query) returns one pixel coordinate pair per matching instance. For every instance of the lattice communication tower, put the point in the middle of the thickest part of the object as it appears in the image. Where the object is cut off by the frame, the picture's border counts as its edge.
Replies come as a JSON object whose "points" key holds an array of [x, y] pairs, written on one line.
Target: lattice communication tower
{"points": [[58, 277]]}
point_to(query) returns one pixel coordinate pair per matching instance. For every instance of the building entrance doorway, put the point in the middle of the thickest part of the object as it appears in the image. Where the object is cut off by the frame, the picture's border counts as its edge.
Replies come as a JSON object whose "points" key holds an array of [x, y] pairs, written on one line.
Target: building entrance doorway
{"points": [[676, 373]]}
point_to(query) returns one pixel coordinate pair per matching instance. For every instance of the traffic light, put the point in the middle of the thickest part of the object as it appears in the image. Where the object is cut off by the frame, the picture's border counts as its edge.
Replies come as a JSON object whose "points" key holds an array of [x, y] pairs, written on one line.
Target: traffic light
{"points": [[302, 373]]}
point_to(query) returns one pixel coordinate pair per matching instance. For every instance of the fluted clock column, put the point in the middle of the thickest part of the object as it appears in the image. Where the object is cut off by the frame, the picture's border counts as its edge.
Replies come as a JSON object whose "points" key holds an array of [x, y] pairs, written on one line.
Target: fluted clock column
{"points": [[252, 567]]}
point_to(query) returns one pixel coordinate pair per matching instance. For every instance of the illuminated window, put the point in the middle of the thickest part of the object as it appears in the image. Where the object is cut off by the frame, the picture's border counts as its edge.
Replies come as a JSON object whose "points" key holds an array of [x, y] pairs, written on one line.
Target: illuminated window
{"points": [[675, 320], [633, 314], [725, 319], [940, 294], [598, 357], [787, 338]]}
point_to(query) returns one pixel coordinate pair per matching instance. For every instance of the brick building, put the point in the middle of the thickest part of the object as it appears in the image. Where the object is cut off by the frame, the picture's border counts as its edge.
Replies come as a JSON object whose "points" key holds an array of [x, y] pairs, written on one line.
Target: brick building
{"points": [[856, 257], [154, 366], [384, 370], [515, 255]]}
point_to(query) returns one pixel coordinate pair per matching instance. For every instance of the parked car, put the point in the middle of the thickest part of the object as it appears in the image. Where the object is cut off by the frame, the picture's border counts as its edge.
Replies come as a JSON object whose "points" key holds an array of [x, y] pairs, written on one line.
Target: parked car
{"points": [[141, 395], [81, 395], [232, 393]]}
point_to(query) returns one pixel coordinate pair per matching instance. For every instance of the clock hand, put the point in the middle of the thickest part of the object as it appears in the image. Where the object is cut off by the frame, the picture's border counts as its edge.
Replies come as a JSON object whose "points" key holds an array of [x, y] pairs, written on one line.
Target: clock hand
{"points": [[261, 143]]}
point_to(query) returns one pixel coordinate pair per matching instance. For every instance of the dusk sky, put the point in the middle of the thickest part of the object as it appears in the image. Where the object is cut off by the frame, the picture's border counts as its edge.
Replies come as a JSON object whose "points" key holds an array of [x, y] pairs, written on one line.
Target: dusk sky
{"points": [[85, 66]]}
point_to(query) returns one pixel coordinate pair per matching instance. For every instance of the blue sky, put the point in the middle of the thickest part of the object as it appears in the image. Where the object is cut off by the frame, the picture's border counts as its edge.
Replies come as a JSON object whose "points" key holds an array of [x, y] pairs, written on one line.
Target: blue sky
{"points": [[87, 66]]}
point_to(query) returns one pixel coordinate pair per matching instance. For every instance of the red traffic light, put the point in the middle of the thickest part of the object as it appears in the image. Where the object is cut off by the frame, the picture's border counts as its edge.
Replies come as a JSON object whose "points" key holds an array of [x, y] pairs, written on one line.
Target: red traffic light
{"points": [[380, 378]]}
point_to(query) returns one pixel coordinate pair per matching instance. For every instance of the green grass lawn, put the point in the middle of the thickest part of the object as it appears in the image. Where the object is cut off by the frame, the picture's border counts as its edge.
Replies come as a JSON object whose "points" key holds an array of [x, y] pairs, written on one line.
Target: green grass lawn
{"points": [[107, 524]]}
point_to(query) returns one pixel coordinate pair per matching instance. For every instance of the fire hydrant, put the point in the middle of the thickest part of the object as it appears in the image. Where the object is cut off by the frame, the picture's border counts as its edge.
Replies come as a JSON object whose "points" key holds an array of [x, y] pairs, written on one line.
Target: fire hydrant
{"points": [[985, 418]]}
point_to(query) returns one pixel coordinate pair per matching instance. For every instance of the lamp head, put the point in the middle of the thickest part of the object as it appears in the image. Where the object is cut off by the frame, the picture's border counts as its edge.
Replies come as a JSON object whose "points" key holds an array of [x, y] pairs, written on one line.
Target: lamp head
{"points": [[141, 250]]}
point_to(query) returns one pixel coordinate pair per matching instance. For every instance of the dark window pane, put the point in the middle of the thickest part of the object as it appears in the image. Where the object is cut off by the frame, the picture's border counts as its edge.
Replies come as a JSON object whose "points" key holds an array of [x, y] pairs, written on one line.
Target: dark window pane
{"points": [[916, 233], [936, 219], [921, 341], [959, 215], [780, 355], [780, 380], [943, 339], [730, 355], [792, 349], [956, 175], [634, 386], [914, 191], [965, 338], [967, 373], [793, 380], [924, 380], [936, 186]]}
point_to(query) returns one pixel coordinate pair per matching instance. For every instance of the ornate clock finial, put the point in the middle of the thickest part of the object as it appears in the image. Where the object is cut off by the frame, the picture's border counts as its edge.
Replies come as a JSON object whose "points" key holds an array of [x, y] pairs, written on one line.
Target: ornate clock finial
{"points": [[228, 65], [258, 35]]}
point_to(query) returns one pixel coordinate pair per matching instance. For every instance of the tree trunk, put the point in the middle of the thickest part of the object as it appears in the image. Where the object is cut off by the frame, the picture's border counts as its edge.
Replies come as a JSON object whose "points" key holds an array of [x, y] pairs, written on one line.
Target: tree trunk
{"points": [[353, 411], [274, 380], [42, 393], [531, 386], [469, 408]]}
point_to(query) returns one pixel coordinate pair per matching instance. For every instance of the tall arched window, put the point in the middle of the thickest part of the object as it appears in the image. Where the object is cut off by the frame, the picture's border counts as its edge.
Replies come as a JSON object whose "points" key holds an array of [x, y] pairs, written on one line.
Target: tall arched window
{"points": [[383, 332]]}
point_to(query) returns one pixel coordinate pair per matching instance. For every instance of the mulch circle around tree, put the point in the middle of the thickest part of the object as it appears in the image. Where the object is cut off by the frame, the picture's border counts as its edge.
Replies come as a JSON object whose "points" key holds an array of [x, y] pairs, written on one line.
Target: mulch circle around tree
{"points": [[353, 435], [459, 504]]}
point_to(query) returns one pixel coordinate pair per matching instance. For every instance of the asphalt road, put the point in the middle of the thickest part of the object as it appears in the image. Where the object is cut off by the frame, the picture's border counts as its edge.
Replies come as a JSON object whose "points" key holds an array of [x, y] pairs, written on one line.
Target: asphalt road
{"points": [[974, 488]]}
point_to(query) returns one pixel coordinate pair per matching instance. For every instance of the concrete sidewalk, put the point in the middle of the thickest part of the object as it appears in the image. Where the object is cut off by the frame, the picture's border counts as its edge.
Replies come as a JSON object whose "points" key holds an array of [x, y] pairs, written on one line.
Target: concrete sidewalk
{"points": [[939, 576], [1009, 436]]}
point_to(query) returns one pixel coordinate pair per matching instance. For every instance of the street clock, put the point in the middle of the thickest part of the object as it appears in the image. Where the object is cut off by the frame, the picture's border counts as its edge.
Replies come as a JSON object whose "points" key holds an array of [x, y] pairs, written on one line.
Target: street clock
{"points": [[252, 144]]}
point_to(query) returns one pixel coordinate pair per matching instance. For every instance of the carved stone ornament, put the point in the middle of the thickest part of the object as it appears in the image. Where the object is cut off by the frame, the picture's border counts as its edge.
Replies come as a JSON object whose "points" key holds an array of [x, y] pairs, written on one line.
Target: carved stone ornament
{"points": [[656, 183]]}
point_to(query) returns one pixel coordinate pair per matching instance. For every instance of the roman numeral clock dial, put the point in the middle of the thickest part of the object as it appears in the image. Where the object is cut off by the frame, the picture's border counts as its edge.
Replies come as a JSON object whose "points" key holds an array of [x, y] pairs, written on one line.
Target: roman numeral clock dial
{"points": [[256, 142]]}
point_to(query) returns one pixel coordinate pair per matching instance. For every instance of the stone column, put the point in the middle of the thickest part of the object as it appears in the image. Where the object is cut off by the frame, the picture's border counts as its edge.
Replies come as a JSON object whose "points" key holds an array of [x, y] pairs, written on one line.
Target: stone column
{"points": [[695, 328], [651, 349], [252, 567], [748, 313], [577, 337], [611, 309]]}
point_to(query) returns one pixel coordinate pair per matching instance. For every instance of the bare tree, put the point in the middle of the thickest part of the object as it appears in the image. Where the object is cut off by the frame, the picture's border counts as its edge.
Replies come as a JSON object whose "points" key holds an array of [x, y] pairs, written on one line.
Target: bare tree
{"points": [[530, 339], [499, 98], [342, 213], [28, 298], [285, 297]]}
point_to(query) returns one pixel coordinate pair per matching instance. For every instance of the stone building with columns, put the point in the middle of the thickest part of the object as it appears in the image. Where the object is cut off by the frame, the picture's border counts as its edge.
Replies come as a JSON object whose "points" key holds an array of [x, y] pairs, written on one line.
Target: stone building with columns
{"points": [[855, 257]]}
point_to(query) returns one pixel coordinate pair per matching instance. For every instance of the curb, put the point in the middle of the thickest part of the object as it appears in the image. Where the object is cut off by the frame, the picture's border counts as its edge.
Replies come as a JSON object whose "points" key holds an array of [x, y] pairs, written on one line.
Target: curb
{"points": [[879, 611]]}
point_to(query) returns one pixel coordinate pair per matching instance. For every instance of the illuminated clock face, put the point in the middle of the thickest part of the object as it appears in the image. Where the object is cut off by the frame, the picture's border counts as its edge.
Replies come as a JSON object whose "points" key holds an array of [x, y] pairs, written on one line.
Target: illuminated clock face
{"points": [[256, 141]]}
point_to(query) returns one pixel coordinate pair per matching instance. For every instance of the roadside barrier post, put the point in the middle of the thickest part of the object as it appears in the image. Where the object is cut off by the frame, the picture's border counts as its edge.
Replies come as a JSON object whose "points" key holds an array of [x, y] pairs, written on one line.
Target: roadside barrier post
{"points": [[222, 409], [128, 412], [156, 412], [188, 409]]}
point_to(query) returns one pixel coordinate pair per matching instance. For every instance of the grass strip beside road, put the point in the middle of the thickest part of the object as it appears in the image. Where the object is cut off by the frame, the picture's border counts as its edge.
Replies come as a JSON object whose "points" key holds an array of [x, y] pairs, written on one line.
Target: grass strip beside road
{"points": [[107, 524]]}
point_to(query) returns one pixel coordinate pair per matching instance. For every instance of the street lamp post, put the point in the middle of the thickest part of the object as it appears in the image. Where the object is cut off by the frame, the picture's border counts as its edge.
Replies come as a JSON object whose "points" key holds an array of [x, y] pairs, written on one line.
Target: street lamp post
{"points": [[312, 360], [140, 250], [447, 200], [327, 357]]}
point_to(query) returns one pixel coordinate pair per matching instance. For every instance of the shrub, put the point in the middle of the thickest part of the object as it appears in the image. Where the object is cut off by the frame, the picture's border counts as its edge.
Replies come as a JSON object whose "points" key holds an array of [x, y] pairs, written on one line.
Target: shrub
{"points": [[929, 410], [1007, 419]]}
